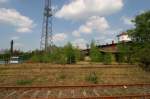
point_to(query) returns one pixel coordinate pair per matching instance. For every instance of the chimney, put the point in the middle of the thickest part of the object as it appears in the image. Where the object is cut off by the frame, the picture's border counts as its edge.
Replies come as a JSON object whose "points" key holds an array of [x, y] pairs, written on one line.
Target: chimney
{"points": [[11, 47]]}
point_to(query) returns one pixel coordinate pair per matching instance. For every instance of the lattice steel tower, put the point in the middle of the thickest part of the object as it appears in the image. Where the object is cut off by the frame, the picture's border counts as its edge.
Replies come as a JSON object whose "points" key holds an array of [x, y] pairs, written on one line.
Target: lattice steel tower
{"points": [[47, 35]]}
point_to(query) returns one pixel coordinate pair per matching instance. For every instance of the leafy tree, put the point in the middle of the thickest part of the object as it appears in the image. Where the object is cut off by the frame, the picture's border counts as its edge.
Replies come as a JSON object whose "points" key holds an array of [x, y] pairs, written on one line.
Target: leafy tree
{"points": [[141, 39], [126, 52], [79, 55], [58, 56], [107, 59], [95, 54], [35, 58], [70, 54], [120, 58]]}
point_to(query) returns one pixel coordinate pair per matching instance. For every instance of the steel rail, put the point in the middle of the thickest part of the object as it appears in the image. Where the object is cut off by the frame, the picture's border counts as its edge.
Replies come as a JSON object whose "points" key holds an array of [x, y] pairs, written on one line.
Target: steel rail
{"points": [[75, 86]]}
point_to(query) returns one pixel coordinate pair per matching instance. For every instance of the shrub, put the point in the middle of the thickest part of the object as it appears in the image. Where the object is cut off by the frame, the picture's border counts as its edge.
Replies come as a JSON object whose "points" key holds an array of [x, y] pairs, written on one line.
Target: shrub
{"points": [[79, 55], [35, 58], [58, 56], [45, 58], [70, 54], [95, 54], [145, 59], [92, 77], [65, 55], [107, 59], [120, 58]]}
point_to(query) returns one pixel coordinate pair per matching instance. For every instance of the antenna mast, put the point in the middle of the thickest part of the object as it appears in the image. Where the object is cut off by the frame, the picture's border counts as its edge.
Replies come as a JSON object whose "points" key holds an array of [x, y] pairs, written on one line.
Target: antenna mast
{"points": [[47, 35]]}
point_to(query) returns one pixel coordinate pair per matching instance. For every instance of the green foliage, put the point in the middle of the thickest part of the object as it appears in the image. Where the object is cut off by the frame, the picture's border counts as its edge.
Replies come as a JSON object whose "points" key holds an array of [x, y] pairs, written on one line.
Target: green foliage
{"points": [[26, 56], [45, 58], [65, 55], [5, 55], [70, 54], [141, 39], [79, 55], [145, 59], [95, 54], [126, 52], [107, 59], [92, 78], [141, 33], [120, 58], [24, 82], [36, 58], [58, 56]]}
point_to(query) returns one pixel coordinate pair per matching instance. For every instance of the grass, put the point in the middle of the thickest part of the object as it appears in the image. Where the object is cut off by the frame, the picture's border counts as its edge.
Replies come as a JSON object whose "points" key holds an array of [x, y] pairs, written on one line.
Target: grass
{"points": [[24, 82], [92, 78], [68, 76]]}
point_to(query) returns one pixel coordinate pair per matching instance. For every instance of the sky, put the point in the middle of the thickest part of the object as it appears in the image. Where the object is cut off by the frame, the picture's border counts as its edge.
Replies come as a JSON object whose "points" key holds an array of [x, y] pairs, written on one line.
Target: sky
{"points": [[75, 21]]}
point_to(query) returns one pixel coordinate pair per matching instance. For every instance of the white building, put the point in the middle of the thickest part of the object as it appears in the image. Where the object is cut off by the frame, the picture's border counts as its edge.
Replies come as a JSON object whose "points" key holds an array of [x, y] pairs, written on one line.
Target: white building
{"points": [[123, 37]]}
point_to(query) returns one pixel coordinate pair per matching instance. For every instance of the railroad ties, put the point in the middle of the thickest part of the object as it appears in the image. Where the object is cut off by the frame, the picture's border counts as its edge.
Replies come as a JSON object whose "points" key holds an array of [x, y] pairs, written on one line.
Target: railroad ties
{"points": [[122, 91]]}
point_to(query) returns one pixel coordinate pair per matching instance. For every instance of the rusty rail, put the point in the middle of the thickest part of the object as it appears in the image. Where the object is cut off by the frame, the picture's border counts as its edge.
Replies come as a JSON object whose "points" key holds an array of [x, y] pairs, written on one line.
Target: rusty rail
{"points": [[135, 96], [74, 86]]}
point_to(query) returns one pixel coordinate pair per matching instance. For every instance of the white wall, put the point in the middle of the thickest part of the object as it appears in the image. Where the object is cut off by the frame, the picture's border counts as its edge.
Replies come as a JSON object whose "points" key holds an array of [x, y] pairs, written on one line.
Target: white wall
{"points": [[124, 38]]}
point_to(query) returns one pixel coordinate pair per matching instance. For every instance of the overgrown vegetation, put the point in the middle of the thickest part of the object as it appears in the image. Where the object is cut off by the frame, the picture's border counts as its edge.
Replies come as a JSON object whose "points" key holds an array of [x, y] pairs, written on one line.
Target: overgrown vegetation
{"points": [[139, 49], [126, 53], [92, 78], [60, 55], [95, 53], [107, 58]]}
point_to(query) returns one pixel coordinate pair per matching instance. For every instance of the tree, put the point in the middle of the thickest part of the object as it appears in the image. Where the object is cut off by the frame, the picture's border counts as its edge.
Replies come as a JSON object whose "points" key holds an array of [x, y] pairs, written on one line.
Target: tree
{"points": [[79, 55], [70, 54], [107, 59], [95, 54], [141, 39], [126, 53]]}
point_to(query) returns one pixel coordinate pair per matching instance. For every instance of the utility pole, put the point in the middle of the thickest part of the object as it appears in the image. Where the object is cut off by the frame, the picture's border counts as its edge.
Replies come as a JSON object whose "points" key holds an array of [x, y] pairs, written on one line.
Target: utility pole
{"points": [[47, 35]]}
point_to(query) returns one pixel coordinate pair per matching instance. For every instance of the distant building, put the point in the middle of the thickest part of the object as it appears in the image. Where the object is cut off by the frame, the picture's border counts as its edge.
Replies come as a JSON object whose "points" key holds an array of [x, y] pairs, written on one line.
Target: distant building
{"points": [[123, 37], [111, 47]]}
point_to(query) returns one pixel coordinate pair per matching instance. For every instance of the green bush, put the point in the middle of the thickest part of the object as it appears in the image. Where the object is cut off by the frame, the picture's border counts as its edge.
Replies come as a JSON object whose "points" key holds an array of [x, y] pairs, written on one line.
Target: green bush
{"points": [[70, 54], [79, 55], [45, 58], [65, 55], [36, 58], [120, 58], [58, 56], [145, 59], [95, 54], [107, 59], [92, 78]]}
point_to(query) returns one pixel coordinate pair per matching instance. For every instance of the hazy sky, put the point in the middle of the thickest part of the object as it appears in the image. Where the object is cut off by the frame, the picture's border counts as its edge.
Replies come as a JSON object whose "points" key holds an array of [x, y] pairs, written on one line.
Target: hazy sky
{"points": [[77, 21]]}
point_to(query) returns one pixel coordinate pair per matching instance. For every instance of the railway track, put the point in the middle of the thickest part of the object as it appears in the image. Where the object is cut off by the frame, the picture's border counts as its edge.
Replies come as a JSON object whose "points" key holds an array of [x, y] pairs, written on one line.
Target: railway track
{"points": [[120, 91]]}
